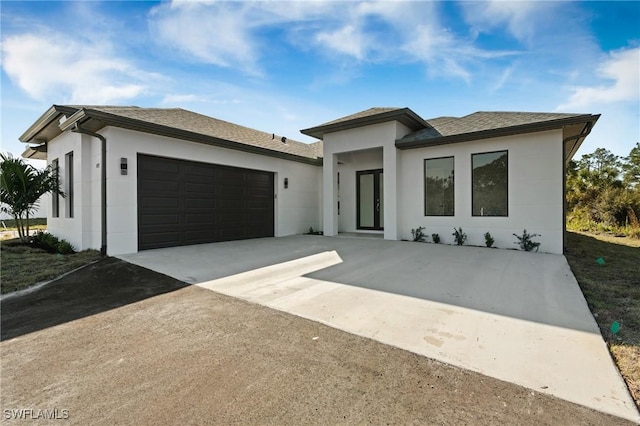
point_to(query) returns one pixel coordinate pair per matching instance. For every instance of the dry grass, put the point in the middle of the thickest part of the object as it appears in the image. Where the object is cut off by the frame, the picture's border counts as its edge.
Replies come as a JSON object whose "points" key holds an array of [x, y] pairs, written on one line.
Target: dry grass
{"points": [[24, 266], [9, 231], [612, 291]]}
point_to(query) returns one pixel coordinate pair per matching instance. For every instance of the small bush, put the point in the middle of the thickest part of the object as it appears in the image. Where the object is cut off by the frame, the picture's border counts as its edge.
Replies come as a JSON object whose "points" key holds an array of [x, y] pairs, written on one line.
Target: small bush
{"points": [[525, 241], [65, 247], [459, 236], [435, 238], [51, 244], [488, 239], [418, 234]]}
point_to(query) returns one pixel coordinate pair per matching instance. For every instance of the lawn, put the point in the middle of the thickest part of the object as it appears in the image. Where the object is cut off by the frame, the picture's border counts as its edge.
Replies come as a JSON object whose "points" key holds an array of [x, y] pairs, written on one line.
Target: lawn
{"points": [[37, 223], [24, 266], [612, 290]]}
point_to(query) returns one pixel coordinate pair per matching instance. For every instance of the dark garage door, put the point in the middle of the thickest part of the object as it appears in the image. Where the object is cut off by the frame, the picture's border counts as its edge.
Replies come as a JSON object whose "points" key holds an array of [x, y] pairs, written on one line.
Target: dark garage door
{"points": [[186, 202]]}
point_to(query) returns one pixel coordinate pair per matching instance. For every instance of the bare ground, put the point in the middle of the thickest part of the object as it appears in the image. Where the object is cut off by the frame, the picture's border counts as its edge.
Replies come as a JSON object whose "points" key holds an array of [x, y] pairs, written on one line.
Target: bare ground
{"points": [[118, 344]]}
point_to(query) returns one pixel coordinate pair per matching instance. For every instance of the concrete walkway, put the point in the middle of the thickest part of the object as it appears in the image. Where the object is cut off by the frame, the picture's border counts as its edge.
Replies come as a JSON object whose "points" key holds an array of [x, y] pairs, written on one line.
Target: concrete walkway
{"points": [[515, 316]]}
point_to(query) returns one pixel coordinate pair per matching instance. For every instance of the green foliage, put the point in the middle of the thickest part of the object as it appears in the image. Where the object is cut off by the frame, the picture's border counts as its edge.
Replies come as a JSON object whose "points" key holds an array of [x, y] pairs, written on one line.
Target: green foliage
{"points": [[525, 241], [631, 167], [459, 236], [435, 238], [51, 243], [21, 186], [603, 192], [488, 239], [418, 234]]}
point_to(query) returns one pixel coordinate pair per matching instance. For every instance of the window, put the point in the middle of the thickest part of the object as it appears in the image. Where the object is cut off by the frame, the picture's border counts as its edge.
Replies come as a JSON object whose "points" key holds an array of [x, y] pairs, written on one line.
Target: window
{"points": [[439, 187], [490, 184], [55, 197], [69, 183]]}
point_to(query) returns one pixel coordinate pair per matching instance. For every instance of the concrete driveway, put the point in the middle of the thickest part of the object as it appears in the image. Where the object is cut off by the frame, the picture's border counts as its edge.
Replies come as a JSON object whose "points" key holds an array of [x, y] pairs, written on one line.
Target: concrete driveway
{"points": [[515, 316]]}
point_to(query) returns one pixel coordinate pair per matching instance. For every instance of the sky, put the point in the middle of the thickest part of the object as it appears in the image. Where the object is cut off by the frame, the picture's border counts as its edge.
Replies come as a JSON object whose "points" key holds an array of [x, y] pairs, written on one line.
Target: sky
{"points": [[284, 66]]}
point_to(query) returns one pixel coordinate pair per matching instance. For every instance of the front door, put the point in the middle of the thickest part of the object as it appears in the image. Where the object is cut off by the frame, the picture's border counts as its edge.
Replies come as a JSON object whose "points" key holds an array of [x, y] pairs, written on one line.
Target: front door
{"points": [[370, 202]]}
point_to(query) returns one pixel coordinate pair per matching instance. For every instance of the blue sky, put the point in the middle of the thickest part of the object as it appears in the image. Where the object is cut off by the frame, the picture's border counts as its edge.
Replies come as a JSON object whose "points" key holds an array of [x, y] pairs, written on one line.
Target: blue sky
{"points": [[284, 66]]}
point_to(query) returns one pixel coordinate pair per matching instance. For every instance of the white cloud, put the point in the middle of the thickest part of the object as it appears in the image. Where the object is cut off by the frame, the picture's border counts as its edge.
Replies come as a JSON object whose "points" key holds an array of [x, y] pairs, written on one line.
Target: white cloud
{"points": [[54, 66], [522, 19], [218, 33], [230, 34], [620, 71], [347, 40]]}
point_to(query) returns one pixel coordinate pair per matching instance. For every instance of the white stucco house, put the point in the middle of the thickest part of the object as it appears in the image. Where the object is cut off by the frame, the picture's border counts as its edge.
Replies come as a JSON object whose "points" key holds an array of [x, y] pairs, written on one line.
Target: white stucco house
{"points": [[142, 178]]}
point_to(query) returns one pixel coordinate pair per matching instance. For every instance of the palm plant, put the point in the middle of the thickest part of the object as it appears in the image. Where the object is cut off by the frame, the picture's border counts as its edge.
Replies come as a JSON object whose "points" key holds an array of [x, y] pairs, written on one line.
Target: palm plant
{"points": [[21, 186]]}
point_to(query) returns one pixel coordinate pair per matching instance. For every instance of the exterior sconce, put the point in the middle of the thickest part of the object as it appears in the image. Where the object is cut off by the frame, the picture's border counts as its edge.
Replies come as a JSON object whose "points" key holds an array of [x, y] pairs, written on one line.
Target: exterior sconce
{"points": [[123, 166], [286, 183]]}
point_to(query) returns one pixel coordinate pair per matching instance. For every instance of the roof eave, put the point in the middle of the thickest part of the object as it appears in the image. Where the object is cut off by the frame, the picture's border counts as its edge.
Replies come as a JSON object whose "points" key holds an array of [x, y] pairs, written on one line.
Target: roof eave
{"points": [[105, 119], [53, 113], [494, 133], [405, 116], [35, 152]]}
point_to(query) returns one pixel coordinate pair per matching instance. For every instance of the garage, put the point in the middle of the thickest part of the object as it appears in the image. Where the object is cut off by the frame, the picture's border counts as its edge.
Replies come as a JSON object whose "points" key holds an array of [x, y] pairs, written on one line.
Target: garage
{"points": [[186, 202]]}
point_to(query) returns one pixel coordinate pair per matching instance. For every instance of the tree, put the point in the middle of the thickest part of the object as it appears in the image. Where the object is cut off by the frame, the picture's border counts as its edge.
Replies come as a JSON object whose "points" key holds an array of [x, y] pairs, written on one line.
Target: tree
{"points": [[600, 169], [21, 186], [597, 196], [631, 167]]}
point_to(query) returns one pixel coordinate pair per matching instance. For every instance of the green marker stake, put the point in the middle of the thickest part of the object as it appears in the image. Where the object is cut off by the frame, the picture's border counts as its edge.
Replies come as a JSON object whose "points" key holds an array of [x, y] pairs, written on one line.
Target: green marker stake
{"points": [[600, 261], [615, 327]]}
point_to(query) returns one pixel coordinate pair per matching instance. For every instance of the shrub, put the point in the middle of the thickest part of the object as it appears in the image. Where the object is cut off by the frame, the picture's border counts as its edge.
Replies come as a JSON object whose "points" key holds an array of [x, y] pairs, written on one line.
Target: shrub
{"points": [[459, 236], [525, 241], [51, 243], [65, 247], [488, 239], [435, 238], [418, 234]]}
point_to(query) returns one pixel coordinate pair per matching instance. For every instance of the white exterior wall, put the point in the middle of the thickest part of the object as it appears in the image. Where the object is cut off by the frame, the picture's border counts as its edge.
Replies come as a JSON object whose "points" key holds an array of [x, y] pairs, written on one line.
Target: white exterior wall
{"points": [[83, 229], [296, 208], [535, 191], [381, 135]]}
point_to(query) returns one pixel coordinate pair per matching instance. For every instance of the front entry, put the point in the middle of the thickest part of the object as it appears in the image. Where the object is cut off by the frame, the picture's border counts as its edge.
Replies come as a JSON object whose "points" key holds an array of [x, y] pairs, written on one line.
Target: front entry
{"points": [[370, 204]]}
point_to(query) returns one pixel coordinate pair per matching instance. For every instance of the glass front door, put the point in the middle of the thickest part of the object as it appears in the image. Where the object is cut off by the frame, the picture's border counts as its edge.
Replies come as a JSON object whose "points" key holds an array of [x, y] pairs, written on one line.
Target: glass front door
{"points": [[370, 203]]}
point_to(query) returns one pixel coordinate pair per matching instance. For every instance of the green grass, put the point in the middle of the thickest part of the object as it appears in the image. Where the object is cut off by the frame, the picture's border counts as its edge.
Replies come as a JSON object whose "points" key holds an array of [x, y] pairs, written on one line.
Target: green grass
{"points": [[612, 291], [11, 223], [24, 266]]}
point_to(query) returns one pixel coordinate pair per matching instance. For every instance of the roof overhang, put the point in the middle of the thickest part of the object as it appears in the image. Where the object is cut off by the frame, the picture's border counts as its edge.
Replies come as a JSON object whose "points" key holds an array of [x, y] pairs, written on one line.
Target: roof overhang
{"points": [[575, 129], [403, 115], [59, 119]]}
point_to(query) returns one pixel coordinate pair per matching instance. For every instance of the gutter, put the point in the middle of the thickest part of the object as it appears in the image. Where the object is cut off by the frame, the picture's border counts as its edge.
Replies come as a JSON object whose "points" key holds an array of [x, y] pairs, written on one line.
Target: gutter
{"points": [[103, 179]]}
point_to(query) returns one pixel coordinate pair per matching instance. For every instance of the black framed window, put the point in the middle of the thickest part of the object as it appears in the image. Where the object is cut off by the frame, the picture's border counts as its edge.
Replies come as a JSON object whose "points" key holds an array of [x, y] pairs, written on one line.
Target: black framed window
{"points": [[69, 183], [439, 187], [55, 197], [490, 183]]}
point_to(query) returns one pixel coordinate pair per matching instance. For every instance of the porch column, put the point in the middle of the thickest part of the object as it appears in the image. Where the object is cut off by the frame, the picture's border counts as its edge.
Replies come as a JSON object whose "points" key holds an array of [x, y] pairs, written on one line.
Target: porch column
{"points": [[329, 191], [389, 163]]}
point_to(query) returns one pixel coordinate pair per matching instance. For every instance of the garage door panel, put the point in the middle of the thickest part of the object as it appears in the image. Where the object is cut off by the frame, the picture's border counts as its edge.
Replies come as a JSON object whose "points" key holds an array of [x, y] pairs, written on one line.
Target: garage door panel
{"points": [[158, 202], [160, 166], [182, 202], [200, 203], [162, 219]]}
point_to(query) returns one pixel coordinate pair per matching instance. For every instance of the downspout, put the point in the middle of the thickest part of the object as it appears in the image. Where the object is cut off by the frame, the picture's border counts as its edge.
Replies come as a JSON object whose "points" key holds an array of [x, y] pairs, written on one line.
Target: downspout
{"points": [[103, 184]]}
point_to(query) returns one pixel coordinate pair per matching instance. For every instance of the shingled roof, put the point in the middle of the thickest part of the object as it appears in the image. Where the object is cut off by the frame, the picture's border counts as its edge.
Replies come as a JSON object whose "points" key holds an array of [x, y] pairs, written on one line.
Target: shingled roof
{"points": [[483, 124], [174, 122], [367, 117]]}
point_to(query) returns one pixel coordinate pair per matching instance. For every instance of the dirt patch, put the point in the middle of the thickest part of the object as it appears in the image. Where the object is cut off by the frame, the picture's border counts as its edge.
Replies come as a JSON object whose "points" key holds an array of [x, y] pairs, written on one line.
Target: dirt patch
{"points": [[192, 356]]}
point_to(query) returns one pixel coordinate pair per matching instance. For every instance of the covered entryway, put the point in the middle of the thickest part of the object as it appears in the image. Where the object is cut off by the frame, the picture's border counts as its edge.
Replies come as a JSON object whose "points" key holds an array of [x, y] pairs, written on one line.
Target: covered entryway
{"points": [[186, 202]]}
